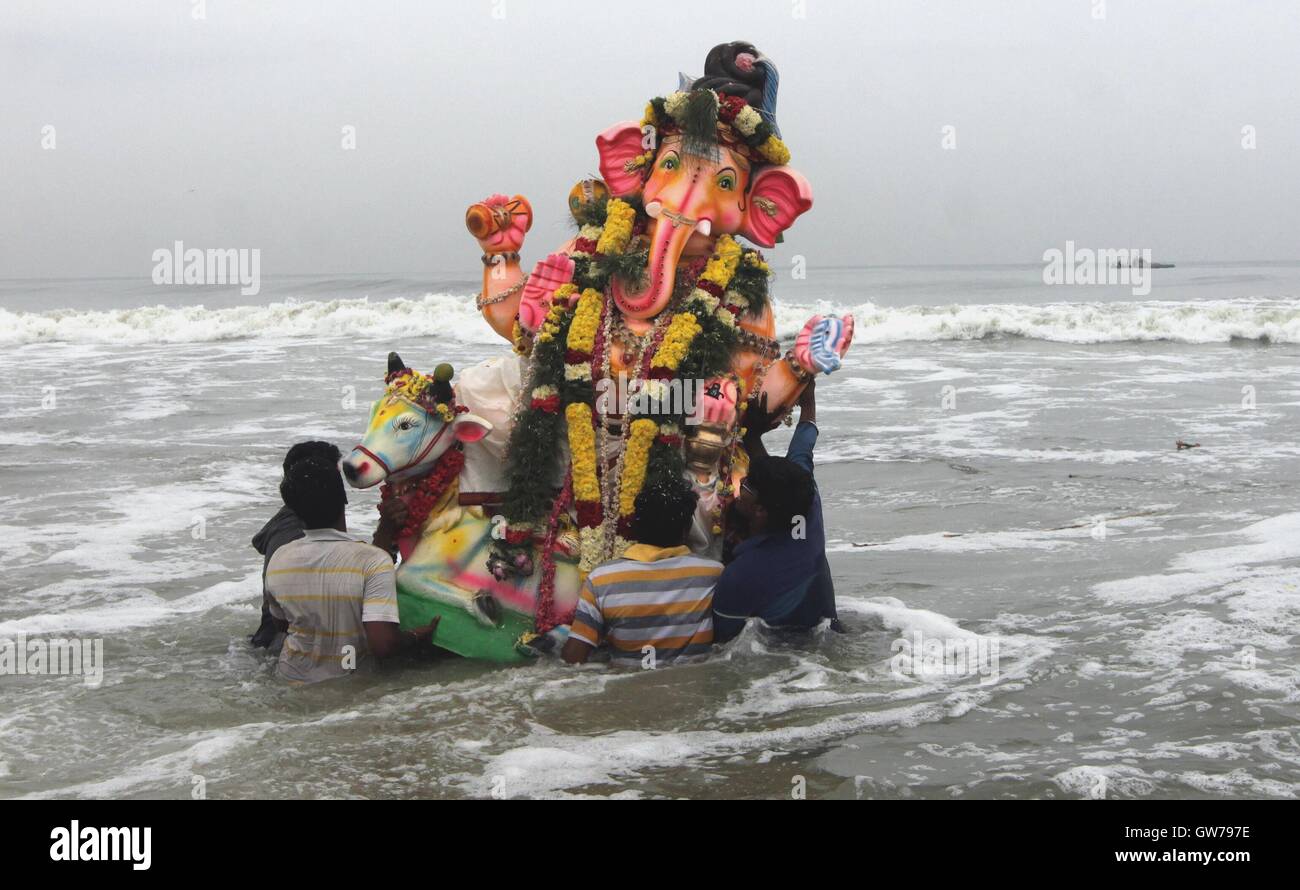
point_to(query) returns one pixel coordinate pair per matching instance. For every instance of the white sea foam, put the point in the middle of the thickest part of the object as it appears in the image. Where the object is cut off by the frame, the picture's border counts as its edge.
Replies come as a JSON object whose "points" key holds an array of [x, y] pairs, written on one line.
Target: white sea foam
{"points": [[1217, 321], [138, 611], [1227, 614], [1124, 781], [443, 315], [555, 764], [170, 770], [1276, 539], [1080, 532], [454, 317]]}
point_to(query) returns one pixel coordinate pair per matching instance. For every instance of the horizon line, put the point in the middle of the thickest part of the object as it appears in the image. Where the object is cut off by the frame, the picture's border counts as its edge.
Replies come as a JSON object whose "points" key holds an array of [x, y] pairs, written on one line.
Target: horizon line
{"points": [[471, 276]]}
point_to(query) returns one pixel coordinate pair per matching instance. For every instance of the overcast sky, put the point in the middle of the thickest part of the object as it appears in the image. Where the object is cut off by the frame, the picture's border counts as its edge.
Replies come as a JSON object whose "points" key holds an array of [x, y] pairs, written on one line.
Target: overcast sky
{"points": [[1124, 131]]}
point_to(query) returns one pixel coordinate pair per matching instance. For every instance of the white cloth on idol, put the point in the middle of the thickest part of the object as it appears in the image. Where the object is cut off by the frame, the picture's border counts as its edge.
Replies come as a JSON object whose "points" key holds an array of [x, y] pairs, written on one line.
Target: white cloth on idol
{"points": [[491, 389]]}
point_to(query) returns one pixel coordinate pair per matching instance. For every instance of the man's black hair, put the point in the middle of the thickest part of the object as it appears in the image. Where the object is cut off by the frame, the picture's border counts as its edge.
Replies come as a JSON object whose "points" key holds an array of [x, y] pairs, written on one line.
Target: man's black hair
{"points": [[663, 513], [784, 488], [313, 488], [324, 451]]}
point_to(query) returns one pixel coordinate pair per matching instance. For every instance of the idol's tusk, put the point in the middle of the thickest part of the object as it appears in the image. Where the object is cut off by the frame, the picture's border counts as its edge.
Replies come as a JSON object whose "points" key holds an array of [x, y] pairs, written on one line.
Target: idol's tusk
{"points": [[704, 227], [653, 208]]}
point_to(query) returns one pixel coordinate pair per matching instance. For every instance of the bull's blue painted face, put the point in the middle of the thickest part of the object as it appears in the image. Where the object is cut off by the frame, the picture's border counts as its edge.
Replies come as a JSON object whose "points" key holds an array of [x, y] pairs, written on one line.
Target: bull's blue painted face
{"points": [[403, 437], [398, 431]]}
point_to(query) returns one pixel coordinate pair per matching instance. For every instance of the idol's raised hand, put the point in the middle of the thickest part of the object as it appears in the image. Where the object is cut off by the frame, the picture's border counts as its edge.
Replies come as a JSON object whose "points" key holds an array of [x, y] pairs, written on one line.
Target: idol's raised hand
{"points": [[499, 223], [823, 342], [535, 301]]}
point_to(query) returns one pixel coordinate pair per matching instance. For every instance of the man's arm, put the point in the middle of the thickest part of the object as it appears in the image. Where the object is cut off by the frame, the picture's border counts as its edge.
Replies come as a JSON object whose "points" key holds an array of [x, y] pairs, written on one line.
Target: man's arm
{"points": [[731, 610], [273, 614], [392, 516], [808, 402], [805, 434], [275, 610], [586, 629], [576, 651], [386, 639], [758, 421], [384, 636]]}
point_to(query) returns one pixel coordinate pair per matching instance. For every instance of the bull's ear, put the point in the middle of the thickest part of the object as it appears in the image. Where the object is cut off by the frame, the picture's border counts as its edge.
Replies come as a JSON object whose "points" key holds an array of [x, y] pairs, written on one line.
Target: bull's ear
{"points": [[470, 427], [395, 363]]}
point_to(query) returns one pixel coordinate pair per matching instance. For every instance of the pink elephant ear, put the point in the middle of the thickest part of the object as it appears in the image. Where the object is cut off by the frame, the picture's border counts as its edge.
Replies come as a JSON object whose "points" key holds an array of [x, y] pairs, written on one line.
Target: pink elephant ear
{"points": [[777, 197], [618, 145]]}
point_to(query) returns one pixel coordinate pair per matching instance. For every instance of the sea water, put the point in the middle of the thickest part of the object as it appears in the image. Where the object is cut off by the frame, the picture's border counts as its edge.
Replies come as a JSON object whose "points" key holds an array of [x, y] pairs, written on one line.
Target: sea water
{"points": [[1000, 474]]}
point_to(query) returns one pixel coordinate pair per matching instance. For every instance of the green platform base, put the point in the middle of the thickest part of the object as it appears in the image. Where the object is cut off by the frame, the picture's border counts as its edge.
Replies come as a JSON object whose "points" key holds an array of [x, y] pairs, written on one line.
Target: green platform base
{"points": [[462, 633]]}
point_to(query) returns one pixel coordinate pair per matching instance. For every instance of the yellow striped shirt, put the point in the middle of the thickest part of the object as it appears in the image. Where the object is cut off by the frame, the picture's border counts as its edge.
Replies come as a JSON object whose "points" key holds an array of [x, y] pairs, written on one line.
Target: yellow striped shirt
{"points": [[655, 601], [327, 584]]}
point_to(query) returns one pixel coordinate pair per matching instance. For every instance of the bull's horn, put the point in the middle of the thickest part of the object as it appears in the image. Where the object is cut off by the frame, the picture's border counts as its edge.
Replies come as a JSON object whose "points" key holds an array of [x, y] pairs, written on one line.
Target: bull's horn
{"points": [[395, 363]]}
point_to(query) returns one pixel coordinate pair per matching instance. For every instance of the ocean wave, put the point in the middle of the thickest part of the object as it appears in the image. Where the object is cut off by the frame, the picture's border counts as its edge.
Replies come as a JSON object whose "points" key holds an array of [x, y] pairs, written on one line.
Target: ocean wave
{"points": [[443, 315], [454, 317], [1220, 321]]}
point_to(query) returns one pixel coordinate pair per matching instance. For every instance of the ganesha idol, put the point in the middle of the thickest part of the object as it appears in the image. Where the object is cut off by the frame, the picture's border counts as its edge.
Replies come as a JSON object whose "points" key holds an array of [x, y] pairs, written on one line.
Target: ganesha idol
{"points": [[637, 347]]}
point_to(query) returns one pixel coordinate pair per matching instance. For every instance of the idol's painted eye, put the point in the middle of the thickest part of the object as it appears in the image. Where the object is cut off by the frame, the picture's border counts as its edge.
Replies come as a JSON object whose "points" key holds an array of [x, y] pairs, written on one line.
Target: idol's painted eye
{"points": [[670, 161], [726, 182]]}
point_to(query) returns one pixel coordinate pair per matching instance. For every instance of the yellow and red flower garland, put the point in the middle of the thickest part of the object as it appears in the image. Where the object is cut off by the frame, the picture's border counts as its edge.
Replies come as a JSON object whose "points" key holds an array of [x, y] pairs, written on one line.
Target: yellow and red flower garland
{"points": [[578, 322], [619, 217], [663, 363], [564, 378], [756, 135]]}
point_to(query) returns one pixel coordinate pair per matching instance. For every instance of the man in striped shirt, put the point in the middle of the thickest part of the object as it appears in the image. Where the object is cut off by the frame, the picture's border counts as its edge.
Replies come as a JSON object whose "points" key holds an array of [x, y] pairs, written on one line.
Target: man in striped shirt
{"points": [[655, 605], [337, 593]]}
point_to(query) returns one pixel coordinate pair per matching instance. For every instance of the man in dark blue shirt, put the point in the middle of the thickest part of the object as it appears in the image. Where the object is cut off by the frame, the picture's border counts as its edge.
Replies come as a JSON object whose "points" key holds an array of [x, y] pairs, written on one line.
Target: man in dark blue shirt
{"points": [[778, 571]]}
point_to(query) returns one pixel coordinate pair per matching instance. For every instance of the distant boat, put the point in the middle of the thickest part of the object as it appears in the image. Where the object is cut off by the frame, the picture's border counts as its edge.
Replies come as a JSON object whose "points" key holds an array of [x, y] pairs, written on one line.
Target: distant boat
{"points": [[1119, 264]]}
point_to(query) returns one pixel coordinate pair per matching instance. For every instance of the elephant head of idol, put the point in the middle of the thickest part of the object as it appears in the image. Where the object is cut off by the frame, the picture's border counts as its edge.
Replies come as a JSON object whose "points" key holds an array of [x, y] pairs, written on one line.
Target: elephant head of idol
{"points": [[414, 423], [705, 160]]}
